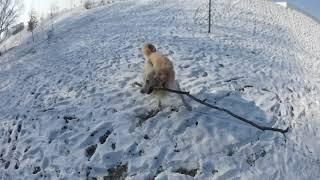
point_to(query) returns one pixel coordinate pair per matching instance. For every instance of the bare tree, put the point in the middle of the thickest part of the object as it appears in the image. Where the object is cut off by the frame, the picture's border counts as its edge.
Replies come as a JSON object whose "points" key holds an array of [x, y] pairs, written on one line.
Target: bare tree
{"points": [[41, 23], [9, 11], [88, 4], [103, 2], [72, 4], [33, 22], [54, 10]]}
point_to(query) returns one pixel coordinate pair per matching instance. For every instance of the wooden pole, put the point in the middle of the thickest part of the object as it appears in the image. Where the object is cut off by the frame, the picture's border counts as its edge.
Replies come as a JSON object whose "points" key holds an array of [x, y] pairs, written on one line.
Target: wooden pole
{"points": [[209, 21]]}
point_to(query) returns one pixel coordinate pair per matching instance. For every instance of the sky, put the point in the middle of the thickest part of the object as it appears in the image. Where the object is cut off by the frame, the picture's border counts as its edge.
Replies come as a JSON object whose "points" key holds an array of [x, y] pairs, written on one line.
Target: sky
{"points": [[42, 7], [311, 7]]}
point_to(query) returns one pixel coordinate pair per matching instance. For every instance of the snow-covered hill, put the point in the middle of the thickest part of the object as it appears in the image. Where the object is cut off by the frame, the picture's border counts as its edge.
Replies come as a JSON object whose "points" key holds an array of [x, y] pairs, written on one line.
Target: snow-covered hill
{"points": [[68, 109]]}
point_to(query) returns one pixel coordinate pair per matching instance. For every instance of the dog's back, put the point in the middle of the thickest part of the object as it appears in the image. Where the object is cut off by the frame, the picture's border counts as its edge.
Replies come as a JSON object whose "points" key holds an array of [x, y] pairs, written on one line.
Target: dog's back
{"points": [[158, 69], [158, 63], [164, 67]]}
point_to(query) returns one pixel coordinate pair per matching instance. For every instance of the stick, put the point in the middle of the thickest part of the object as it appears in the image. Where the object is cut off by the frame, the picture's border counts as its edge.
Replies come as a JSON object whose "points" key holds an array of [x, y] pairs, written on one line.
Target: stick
{"points": [[263, 128]]}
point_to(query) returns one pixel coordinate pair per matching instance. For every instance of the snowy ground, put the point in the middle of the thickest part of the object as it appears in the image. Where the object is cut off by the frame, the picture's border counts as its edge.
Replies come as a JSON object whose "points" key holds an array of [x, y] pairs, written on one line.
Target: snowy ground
{"points": [[68, 109]]}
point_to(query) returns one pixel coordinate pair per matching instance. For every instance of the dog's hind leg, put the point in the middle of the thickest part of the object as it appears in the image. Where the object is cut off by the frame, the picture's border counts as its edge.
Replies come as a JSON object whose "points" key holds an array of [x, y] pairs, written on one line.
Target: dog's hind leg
{"points": [[177, 87], [159, 104]]}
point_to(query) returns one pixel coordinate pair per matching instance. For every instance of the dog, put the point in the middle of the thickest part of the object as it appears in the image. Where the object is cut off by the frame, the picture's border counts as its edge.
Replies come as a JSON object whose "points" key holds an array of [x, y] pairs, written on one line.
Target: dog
{"points": [[159, 73]]}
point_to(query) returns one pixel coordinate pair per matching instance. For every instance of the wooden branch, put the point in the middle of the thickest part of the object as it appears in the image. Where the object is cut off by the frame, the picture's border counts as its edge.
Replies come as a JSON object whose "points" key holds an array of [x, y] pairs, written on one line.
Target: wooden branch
{"points": [[263, 128]]}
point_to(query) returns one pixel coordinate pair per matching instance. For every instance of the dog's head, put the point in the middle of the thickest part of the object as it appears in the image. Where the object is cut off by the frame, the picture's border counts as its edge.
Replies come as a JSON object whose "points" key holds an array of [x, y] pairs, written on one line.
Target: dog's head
{"points": [[154, 80], [148, 49]]}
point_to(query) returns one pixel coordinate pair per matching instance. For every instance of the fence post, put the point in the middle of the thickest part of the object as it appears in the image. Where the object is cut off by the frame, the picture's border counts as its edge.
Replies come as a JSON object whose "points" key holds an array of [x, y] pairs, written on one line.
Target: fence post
{"points": [[209, 22]]}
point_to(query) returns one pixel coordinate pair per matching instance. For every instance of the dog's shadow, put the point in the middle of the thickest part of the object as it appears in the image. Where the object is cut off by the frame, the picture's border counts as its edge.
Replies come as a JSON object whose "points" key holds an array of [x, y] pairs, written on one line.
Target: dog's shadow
{"points": [[221, 130]]}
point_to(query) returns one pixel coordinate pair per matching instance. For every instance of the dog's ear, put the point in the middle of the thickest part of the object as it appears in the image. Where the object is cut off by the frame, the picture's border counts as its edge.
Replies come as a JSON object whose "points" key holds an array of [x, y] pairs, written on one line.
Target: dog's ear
{"points": [[152, 47], [148, 49]]}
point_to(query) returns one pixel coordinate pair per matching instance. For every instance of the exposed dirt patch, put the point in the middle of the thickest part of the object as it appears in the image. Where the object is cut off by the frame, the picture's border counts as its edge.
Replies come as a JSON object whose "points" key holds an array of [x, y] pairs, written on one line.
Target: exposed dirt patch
{"points": [[91, 150], [118, 172], [191, 172], [103, 138]]}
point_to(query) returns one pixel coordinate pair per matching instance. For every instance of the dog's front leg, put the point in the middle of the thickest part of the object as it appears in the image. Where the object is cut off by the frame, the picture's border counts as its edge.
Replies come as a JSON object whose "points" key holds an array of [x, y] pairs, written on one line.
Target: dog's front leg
{"points": [[159, 104]]}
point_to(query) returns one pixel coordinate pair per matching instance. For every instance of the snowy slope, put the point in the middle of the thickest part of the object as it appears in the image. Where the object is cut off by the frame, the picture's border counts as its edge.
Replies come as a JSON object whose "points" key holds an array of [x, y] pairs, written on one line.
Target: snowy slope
{"points": [[68, 109]]}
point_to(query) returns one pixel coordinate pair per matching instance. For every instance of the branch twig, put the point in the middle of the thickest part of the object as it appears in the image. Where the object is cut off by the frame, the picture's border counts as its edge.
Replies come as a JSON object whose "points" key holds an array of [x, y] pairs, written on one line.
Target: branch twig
{"points": [[263, 128]]}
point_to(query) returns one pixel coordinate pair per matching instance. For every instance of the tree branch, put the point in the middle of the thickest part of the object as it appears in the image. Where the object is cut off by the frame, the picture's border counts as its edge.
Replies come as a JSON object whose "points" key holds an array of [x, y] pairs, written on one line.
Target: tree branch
{"points": [[263, 128]]}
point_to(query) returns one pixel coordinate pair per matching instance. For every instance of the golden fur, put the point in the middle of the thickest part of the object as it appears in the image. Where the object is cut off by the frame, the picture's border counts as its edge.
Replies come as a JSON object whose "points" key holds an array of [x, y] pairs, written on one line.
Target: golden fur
{"points": [[158, 73]]}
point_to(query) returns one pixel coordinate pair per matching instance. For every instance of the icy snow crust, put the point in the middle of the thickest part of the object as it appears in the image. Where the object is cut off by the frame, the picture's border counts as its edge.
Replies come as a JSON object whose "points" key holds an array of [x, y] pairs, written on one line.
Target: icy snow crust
{"points": [[68, 109]]}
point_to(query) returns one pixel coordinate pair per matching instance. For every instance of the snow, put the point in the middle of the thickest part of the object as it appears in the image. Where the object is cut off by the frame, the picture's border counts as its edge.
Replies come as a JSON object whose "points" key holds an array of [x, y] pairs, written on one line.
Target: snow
{"points": [[68, 109], [281, 3]]}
